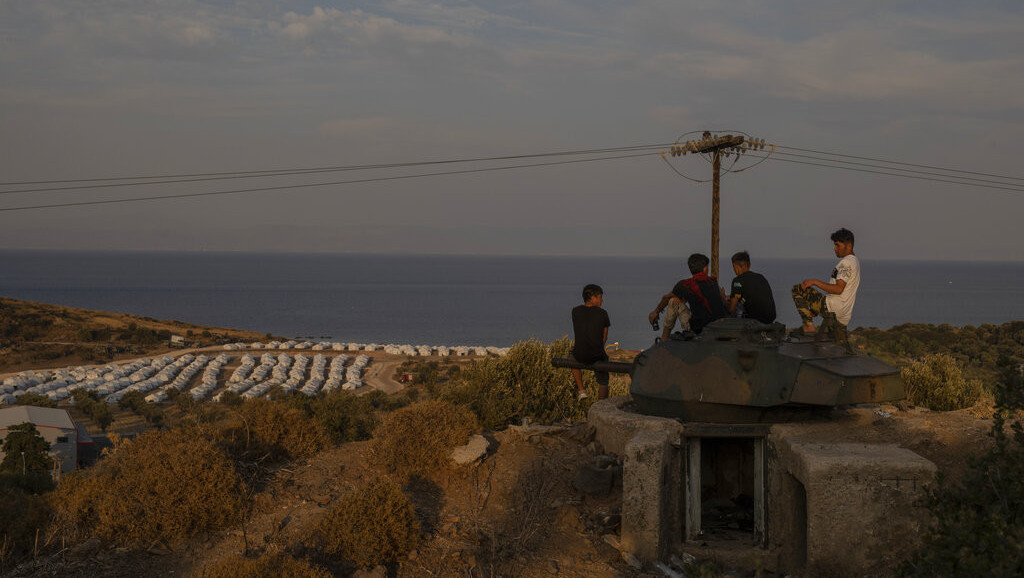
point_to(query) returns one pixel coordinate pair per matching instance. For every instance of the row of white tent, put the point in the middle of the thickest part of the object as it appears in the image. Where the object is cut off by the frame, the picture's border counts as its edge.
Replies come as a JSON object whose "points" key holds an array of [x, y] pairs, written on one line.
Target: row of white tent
{"points": [[252, 380], [409, 350], [157, 377]]}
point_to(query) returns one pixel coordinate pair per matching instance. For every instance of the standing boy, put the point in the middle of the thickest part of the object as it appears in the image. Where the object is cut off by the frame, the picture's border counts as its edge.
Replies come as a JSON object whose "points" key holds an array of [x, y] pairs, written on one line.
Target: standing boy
{"points": [[752, 289], [590, 329], [840, 291]]}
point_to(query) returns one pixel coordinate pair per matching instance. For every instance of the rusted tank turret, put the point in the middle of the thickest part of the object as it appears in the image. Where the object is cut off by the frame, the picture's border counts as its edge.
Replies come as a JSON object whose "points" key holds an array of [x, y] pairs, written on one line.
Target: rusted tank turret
{"points": [[743, 371]]}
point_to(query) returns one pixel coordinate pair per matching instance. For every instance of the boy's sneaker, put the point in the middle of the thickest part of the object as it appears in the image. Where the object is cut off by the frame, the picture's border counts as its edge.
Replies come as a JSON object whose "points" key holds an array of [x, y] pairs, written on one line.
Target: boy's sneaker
{"points": [[581, 396]]}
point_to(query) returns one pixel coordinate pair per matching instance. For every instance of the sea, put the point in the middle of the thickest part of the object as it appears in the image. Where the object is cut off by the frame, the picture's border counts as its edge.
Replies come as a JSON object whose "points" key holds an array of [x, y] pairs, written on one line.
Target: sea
{"points": [[468, 300]]}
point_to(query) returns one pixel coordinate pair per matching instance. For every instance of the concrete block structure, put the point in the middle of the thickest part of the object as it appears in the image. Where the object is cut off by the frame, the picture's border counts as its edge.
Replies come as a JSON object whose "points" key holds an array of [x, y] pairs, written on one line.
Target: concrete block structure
{"points": [[762, 496], [841, 506]]}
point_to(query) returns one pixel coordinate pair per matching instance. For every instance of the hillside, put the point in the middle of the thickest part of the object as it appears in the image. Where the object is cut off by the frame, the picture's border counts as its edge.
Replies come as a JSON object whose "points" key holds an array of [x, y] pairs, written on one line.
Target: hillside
{"points": [[39, 335], [300, 472]]}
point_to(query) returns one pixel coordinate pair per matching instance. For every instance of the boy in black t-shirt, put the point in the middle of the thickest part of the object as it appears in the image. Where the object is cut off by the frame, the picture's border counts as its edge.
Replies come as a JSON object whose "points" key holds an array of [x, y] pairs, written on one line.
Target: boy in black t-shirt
{"points": [[752, 289], [590, 329]]}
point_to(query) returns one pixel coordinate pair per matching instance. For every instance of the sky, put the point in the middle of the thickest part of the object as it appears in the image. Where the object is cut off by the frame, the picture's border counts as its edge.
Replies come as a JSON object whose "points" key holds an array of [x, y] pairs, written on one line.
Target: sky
{"points": [[113, 88]]}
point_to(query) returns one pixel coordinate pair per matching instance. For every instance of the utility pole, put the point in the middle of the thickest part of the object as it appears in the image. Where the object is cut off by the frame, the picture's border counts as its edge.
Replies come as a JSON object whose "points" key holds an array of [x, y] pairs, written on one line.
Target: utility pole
{"points": [[716, 146]]}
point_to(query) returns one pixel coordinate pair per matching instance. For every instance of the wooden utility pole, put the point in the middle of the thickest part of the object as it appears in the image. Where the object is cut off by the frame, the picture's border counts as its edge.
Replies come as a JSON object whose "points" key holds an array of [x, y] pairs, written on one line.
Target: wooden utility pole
{"points": [[715, 146]]}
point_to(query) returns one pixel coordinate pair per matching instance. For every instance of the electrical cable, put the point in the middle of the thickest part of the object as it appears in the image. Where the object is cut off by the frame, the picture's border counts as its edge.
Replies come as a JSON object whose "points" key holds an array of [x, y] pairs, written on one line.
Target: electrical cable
{"points": [[883, 169], [893, 168], [907, 176], [902, 163], [309, 185], [197, 177]]}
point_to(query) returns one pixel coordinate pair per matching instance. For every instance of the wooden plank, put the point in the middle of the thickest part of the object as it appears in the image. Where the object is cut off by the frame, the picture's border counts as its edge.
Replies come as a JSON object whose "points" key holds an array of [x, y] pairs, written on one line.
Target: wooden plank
{"points": [[693, 498], [722, 430], [760, 505]]}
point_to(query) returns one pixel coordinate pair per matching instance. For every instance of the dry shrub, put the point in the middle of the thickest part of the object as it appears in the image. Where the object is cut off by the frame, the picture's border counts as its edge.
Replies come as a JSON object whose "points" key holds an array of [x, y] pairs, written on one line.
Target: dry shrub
{"points": [[504, 390], [344, 416], [278, 565], [273, 430], [373, 526], [166, 485], [23, 517], [418, 439], [937, 382]]}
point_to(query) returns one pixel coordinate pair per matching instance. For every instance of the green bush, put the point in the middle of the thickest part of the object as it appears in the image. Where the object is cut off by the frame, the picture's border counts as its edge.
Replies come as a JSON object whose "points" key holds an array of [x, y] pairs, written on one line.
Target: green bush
{"points": [[345, 416], [418, 439], [978, 349], [373, 526], [504, 390], [136, 402], [25, 451], [91, 405], [978, 525], [165, 485], [23, 518], [35, 399], [937, 382]]}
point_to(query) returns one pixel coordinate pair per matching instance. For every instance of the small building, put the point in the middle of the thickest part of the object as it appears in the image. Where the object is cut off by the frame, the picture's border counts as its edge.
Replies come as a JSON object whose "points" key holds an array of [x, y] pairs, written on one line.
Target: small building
{"points": [[54, 425], [177, 341]]}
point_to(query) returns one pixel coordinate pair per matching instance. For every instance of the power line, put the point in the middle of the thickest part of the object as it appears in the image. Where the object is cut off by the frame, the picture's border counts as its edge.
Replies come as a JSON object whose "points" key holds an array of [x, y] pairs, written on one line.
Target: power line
{"points": [[907, 176], [966, 179], [309, 185], [905, 164], [199, 177]]}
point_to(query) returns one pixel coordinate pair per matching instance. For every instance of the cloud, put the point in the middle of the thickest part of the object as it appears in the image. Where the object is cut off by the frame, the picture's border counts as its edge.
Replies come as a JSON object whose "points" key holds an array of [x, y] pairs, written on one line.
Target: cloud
{"points": [[328, 30]]}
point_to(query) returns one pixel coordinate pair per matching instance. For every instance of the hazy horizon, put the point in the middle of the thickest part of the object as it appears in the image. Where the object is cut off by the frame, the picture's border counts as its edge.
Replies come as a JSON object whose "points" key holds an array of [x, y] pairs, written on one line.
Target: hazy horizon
{"points": [[107, 88]]}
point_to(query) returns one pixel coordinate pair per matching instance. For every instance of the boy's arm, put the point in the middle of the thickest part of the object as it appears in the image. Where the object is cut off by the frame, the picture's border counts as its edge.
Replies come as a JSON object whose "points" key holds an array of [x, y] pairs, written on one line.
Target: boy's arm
{"points": [[604, 338], [833, 288], [731, 302], [661, 307]]}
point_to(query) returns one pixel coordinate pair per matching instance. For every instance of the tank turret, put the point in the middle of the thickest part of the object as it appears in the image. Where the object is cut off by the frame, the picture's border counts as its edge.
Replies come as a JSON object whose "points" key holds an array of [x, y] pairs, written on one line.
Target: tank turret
{"points": [[744, 371]]}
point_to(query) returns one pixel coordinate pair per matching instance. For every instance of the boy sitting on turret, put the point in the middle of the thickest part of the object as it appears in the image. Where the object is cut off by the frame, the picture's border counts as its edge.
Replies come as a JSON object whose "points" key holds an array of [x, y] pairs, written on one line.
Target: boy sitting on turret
{"points": [[699, 295], [839, 293]]}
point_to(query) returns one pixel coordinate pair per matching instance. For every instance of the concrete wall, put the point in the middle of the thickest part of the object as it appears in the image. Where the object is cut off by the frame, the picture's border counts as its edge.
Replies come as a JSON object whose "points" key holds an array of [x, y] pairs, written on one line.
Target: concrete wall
{"points": [[833, 509], [843, 509]]}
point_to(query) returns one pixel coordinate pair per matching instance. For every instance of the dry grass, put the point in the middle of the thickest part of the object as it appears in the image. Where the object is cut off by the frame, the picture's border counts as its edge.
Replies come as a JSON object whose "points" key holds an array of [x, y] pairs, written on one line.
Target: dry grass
{"points": [[937, 382], [271, 430], [522, 384], [165, 486], [418, 439], [278, 565], [375, 525]]}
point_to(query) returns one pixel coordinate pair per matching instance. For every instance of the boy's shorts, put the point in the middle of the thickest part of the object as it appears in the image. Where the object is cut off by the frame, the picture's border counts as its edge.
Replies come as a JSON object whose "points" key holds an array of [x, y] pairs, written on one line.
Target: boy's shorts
{"points": [[600, 376], [677, 309]]}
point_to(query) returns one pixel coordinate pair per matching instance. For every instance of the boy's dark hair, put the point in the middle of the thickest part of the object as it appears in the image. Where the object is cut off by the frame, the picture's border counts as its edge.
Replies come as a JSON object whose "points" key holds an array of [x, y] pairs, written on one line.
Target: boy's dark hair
{"points": [[843, 236], [697, 262], [741, 257], [591, 290]]}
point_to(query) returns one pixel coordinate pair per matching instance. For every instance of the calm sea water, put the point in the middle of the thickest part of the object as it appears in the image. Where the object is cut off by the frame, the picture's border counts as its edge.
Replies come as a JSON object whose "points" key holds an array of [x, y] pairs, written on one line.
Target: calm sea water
{"points": [[473, 300]]}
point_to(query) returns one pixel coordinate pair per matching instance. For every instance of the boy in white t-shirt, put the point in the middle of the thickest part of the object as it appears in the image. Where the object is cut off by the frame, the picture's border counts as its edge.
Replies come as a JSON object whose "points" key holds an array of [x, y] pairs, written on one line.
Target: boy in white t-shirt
{"points": [[839, 293]]}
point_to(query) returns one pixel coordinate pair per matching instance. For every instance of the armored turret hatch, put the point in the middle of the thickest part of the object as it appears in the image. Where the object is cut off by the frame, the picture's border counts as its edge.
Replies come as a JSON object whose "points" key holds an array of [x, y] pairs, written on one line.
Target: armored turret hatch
{"points": [[744, 371]]}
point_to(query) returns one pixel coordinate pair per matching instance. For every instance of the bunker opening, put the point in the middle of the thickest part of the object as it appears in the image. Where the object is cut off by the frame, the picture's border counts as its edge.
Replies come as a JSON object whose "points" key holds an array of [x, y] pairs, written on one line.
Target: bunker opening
{"points": [[724, 488]]}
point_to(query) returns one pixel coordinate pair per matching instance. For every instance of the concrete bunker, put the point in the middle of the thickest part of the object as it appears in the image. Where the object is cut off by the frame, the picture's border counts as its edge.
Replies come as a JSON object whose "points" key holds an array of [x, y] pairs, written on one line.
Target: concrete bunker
{"points": [[770, 496]]}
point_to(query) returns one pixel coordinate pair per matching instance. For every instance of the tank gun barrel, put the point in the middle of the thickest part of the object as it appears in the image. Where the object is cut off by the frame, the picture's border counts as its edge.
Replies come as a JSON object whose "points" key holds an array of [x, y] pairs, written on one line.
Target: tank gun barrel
{"points": [[606, 366]]}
